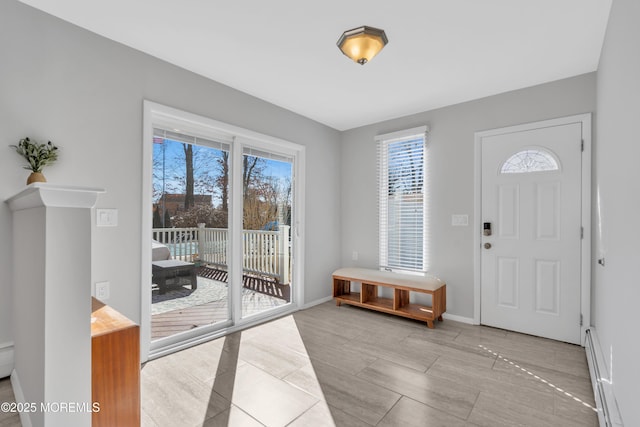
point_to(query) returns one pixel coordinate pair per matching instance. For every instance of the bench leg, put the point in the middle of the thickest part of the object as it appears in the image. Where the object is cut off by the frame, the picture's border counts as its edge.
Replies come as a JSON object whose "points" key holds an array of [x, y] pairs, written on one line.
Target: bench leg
{"points": [[430, 324], [338, 303], [440, 318]]}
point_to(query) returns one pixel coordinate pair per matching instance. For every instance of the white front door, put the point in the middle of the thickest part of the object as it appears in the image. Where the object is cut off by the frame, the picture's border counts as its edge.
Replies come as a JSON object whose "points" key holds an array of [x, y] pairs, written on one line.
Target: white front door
{"points": [[531, 201]]}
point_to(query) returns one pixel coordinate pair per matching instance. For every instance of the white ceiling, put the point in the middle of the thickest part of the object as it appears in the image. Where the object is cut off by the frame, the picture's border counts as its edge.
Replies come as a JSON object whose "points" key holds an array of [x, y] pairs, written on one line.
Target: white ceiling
{"points": [[440, 52]]}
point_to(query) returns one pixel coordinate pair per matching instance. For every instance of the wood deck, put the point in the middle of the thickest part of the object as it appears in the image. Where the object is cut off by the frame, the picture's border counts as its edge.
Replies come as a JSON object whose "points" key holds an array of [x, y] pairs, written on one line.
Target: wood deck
{"points": [[173, 322], [265, 290], [262, 284]]}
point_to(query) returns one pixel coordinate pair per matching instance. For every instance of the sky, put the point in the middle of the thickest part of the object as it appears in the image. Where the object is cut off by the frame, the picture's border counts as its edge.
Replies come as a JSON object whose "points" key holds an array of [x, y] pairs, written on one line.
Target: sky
{"points": [[174, 167]]}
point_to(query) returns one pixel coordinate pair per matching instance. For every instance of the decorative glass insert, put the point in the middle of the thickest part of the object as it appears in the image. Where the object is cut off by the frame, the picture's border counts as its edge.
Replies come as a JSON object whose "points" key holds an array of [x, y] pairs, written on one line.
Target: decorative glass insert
{"points": [[530, 160]]}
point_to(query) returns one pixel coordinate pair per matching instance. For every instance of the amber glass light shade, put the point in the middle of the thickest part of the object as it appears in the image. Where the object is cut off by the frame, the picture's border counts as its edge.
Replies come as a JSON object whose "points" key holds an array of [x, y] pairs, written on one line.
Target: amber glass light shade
{"points": [[363, 43]]}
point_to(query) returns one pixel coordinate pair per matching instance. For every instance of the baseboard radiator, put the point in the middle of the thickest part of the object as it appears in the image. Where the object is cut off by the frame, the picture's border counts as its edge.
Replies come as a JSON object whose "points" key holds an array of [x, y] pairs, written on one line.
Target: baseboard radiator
{"points": [[608, 413]]}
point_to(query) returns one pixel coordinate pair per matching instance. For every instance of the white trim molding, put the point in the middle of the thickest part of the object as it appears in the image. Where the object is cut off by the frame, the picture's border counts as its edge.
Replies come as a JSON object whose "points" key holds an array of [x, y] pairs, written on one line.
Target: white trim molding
{"points": [[316, 302], [6, 359], [601, 382], [456, 318], [585, 279], [401, 134], [25, 419], [54, 196]]}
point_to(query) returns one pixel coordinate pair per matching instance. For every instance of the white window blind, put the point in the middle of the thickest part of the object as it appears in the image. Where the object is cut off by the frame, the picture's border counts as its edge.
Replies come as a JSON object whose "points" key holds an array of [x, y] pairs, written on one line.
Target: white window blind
{"points": [[159, 135], [401, 180]]}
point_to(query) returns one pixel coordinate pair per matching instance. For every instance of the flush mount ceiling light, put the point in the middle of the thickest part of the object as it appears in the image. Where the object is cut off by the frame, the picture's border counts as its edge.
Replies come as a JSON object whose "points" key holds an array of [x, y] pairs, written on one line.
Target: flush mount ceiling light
{"points": [[363, 43]]}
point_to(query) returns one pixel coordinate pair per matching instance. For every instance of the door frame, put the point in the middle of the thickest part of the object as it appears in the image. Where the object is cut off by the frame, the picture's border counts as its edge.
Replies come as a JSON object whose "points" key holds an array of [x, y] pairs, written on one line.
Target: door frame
{"points": [[585, 267]]}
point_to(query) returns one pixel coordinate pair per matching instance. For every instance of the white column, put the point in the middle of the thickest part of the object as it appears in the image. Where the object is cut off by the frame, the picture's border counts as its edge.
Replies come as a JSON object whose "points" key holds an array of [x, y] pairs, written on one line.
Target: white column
{"points": [[285, 260], [52, 302], [201, 249]]}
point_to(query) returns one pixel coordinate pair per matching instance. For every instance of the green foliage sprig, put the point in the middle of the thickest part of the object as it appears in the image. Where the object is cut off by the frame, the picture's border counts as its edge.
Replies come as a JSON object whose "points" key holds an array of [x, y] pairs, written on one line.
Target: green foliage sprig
{"points": [[37, 155]]}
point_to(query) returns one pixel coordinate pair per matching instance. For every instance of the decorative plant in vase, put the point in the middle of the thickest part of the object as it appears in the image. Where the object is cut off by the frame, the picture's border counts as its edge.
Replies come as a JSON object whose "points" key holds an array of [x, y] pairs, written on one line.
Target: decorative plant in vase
{"points": [[37, 156]]}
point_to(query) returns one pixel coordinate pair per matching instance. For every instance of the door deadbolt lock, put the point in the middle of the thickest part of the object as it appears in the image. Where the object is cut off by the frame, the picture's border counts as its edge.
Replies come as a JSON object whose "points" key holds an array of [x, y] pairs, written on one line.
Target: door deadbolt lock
{"points": [[486, 229], [487, 245]]}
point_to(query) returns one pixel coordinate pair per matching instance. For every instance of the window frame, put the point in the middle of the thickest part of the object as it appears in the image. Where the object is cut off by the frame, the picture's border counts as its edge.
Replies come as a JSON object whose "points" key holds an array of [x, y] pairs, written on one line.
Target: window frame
{"points": [[384, 141]]}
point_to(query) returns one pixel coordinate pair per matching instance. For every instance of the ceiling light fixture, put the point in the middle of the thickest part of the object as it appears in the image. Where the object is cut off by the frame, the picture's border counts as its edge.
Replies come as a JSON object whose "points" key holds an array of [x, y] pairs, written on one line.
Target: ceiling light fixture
{"points": [[363, 43]]}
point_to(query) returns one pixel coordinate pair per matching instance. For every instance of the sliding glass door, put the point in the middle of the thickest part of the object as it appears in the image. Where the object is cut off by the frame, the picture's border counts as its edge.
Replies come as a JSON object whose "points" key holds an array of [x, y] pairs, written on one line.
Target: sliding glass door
{"points": [[224, 203], [190, 280]]}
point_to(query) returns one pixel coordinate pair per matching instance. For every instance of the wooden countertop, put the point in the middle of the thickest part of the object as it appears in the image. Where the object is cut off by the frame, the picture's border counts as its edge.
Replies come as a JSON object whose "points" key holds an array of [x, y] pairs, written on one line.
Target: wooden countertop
{"points": [[106, 319]]}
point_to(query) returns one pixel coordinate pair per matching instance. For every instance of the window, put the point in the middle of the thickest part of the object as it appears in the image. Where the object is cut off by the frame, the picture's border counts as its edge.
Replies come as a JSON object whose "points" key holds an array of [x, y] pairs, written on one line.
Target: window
{"points": [[402, 203], [530, 160]]}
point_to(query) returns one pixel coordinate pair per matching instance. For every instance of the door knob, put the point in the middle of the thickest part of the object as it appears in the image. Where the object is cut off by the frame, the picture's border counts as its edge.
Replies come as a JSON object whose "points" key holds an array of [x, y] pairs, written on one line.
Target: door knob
{"points": [[487, 245]]}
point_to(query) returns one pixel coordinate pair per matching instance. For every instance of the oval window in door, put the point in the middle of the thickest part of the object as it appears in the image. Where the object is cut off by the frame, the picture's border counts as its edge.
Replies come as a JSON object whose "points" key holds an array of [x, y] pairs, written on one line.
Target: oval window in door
{"points": [[530, 160]]}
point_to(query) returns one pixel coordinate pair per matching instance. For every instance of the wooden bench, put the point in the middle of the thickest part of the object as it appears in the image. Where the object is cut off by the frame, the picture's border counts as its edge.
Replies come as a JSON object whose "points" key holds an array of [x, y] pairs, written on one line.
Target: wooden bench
{"points": [[402, 285]]}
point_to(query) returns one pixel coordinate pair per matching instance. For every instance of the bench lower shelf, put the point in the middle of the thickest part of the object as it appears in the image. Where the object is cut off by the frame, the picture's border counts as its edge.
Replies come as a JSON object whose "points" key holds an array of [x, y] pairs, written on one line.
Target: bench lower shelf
{"points": [[385, 305]]}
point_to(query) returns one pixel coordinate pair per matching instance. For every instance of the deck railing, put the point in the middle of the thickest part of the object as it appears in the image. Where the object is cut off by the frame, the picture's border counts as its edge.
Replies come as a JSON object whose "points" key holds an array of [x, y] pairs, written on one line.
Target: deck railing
{"points": [[263, 252]]}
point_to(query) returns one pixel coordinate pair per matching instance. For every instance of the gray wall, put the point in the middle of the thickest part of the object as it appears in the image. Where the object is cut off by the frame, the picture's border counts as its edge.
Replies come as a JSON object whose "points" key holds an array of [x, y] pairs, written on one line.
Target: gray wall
{"points": [[85, 93], [451, 175], [617, 178]]}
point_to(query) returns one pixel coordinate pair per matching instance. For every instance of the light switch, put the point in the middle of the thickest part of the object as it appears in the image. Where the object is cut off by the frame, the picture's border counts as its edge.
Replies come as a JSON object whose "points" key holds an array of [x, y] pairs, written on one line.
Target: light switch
{"points": [[460, 220], [106, 217]]}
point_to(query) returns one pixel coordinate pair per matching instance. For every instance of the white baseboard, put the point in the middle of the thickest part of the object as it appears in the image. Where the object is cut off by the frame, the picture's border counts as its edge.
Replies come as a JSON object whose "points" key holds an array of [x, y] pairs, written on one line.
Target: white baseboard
{"points": [[456, 318], [316, 302], [25, 420], [608, 412], [6, 359], [446, 316]]}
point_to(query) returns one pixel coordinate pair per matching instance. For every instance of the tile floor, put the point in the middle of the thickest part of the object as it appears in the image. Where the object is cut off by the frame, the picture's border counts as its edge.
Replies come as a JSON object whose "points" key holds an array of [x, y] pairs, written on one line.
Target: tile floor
{"points": [[344, 366], [7, 418]]}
